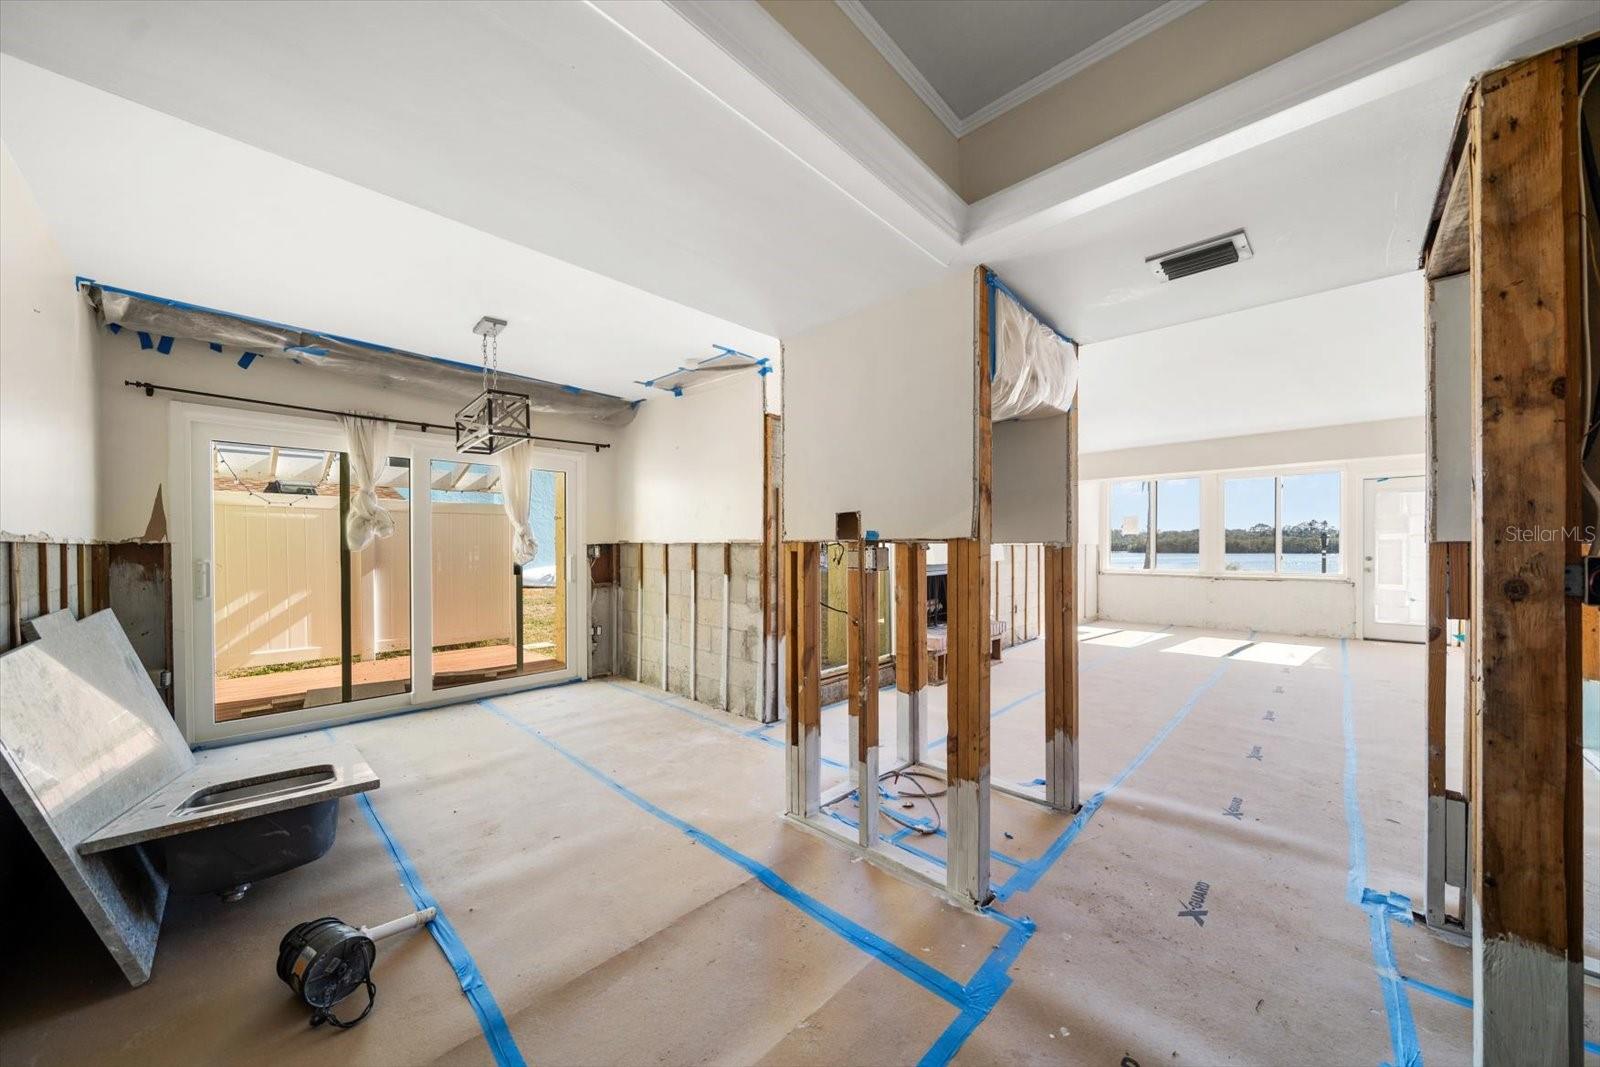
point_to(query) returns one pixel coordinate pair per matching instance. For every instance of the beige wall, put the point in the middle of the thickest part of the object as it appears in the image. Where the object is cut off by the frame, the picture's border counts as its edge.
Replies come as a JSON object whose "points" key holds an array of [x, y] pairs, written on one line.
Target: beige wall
{"points": [[1214, 45], [829, 35], [47, 398]]}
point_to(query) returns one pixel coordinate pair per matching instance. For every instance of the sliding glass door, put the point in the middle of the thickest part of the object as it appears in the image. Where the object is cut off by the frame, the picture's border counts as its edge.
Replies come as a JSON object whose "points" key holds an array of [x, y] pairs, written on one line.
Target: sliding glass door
{"points": [[279, 623], [492, 617]]}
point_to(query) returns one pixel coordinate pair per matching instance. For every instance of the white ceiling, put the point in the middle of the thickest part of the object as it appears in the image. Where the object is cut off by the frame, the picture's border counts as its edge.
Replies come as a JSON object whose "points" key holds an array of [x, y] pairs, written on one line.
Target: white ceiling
{"points": [[974, 52], [140, 200], [1337, 203], [624, 186], [542, 124], [1346, 356]]}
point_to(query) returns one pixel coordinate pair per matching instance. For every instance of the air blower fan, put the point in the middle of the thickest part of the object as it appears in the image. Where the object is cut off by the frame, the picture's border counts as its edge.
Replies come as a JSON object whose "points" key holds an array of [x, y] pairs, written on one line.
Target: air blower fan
{"points": [[326, 960]]}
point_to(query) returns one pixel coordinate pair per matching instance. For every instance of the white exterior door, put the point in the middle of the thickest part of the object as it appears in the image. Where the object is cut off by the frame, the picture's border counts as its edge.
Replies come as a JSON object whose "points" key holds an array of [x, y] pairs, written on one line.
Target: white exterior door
{"points": [[1395, 566]]}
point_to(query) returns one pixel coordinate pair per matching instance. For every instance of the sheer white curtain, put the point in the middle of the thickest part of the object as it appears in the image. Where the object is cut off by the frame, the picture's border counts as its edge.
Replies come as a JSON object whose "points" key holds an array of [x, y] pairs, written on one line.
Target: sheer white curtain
{"points": [[516, 474], [369, 453]]}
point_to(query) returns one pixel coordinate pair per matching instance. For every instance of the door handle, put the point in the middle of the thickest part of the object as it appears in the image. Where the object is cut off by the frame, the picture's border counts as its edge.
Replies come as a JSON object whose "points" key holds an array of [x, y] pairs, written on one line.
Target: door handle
{"points": [[202, 579]]}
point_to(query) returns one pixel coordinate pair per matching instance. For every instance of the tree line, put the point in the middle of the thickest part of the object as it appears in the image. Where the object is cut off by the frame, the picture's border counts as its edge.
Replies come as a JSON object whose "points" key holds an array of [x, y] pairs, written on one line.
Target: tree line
{"points": [[1299, 537]]}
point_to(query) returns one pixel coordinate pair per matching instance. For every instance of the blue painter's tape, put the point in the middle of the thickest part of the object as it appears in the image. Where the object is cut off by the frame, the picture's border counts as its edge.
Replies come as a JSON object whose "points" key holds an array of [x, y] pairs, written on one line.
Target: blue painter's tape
{"points": [[872, 535], [1029, 874], [677, 390], [246, 359], [753, 735], [80, 282], [164, 345], [996, 283], [114, 327], [571, 389], [936, 742], [215, 347], [1379, 907], [144, 340], [983, 993], [897, 958], [490, 1019], [763, 370]]}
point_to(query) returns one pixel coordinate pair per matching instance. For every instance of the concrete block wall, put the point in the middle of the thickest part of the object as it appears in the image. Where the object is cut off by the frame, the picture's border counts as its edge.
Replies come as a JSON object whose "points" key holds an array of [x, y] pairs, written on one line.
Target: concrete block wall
{"points": [[693, 574], [680, 581], [652, 619]]}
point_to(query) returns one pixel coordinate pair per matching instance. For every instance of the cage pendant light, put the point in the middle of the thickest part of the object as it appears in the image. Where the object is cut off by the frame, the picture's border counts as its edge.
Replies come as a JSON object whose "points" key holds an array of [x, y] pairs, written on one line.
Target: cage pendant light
{"points": [[496, 418]]}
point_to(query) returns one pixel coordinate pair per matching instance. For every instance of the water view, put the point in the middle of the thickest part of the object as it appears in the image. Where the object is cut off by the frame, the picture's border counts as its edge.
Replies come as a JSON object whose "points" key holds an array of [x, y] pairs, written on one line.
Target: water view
{"points": [[1249, 562]]}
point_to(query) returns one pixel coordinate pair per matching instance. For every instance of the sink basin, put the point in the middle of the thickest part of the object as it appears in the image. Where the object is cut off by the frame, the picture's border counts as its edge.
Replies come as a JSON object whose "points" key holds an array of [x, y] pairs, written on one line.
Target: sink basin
{"points": [[227, 794], [227, 858]]}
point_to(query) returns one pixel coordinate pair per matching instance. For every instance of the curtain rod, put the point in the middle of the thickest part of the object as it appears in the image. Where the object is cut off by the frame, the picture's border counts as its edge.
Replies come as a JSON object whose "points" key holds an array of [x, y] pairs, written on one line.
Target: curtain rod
{"points": [[427, 427]]}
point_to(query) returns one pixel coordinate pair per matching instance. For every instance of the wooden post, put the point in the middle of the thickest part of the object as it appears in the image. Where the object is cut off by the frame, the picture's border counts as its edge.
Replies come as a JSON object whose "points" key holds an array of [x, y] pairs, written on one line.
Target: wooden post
{"points": [[83, 581], [771, 568], [967, 745], [1528, 368], [1060, 679], [802, 597], [910, 649], [861, 635]]}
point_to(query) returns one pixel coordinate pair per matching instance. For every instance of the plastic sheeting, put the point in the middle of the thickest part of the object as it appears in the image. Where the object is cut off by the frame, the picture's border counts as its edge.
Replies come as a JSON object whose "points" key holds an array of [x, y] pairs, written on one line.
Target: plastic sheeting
{"points": [[1036, 370], [371, 363]]}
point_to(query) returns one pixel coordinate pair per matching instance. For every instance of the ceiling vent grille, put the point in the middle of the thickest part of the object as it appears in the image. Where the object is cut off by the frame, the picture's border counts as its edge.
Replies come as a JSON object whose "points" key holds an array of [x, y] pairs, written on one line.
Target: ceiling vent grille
{"points": [[1201, 256]]}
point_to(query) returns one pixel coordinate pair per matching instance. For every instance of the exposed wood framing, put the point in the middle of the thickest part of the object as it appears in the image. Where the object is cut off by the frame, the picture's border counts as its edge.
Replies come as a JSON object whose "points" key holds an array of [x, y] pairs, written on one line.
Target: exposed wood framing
{"points": [[771, 566], [802, 597], [1060, 678], [1528, 875], [83, 580], [967, 745], [911, 649], [861, 636]]}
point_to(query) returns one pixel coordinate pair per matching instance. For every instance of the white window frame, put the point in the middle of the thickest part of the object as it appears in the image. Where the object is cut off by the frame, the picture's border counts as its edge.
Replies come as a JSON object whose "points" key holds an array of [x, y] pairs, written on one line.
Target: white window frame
{"points": [[191, 430], [1213, 523]]}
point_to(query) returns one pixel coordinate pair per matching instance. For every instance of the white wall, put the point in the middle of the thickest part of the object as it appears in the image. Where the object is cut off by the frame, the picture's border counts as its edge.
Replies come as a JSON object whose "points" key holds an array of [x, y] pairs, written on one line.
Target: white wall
{"points": [[879, 418], [47, 397], [688, 468], [1350, 355], [132, 447]]}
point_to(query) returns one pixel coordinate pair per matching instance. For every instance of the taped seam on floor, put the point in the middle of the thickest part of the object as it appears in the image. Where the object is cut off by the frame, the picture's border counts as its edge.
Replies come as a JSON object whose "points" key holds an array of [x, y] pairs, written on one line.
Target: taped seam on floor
{"points": [[931, 979], [753, 735], [495, 1031], [1402, 1028], [1029, 874], [969, 1019]]}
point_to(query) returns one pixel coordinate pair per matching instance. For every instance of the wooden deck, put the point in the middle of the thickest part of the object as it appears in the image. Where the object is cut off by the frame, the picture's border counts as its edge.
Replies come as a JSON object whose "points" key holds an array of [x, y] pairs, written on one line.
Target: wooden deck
{"points": [[269, 694]]}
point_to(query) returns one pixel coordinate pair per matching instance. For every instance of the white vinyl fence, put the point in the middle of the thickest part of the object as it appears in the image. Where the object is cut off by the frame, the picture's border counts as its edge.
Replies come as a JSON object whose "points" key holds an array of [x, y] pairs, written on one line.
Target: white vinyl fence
{"points": [[276, 577]]}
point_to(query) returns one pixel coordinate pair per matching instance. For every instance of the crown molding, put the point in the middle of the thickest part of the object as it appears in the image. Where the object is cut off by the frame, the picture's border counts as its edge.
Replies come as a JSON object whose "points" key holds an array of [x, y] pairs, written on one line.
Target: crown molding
{"points": [[1403, 47], [958, 126], [857, 13], [742, 56]]}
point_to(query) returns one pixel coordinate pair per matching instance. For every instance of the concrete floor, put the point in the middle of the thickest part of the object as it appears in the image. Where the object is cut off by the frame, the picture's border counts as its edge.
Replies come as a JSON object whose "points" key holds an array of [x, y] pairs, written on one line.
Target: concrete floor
{"points": [[612, 860]]}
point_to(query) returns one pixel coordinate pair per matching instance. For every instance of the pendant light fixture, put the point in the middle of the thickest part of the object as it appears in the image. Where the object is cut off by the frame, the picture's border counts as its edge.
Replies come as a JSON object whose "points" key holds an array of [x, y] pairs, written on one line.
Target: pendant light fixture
{"points": [[495, 419]]}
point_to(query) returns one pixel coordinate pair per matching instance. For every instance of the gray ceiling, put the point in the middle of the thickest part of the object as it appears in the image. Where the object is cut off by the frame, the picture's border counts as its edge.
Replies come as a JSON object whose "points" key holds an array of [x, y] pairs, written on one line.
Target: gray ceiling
{"points": [[975, 51]]}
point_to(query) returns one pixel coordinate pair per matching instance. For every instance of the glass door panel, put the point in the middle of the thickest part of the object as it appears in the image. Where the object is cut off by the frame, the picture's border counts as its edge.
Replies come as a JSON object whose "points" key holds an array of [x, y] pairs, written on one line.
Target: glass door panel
{"points": [[280, 639], [491, 618]]}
